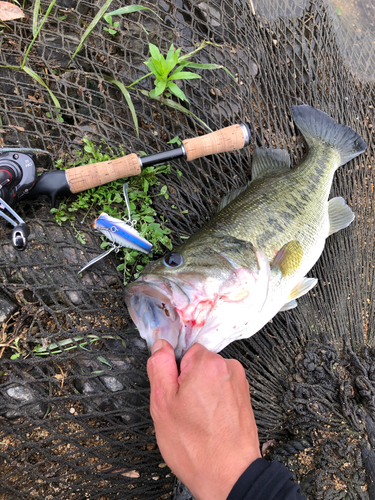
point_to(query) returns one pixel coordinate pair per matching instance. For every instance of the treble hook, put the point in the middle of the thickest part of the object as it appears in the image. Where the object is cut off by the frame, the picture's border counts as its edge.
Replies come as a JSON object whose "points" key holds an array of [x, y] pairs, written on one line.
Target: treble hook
{"points": [[127, 202]]}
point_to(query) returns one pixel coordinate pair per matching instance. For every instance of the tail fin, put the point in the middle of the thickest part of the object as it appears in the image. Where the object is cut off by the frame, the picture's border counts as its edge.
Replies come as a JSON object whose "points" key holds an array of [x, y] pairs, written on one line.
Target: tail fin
{"points": [[317, 126]]}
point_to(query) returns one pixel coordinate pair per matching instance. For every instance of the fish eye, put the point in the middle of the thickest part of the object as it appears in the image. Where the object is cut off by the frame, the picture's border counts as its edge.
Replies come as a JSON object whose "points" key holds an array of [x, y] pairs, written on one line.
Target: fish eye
{"points": [[173, 259]]}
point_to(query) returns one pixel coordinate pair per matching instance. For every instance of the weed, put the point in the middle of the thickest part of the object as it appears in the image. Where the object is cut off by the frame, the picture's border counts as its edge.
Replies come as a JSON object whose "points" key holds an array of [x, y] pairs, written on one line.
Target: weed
{"points": [[68, 344], [170, 69], [109, 199], [114, 25], [29, 71], [101, 14], [19, 352], [175, 140]]}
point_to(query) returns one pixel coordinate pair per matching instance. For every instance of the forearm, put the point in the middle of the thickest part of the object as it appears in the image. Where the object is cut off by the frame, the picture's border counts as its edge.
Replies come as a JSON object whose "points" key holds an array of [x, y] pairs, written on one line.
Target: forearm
{"points": [[265, 480]]}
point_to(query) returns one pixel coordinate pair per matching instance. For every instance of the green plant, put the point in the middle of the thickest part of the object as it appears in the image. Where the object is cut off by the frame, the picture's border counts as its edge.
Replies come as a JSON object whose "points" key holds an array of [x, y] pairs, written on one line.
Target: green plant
{"points": [[102, 14], [175, 140], [170, 69], [29, 71], [114, 25], [68, 344], [109, 198], [19, 352]]}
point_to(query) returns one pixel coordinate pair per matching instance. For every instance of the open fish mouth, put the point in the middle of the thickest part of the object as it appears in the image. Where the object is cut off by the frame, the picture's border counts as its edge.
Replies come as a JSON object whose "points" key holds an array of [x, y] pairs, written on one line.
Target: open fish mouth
{"points": [[152, 307]]}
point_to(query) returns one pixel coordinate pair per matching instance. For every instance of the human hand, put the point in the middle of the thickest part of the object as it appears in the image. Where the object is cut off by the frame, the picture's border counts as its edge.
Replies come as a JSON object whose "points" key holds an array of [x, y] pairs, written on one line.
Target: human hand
{"points": [[204, 422]]}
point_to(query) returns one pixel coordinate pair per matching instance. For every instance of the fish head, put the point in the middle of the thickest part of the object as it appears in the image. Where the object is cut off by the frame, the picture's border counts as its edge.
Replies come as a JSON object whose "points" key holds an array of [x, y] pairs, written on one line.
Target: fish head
{"points": [[181, 297]]}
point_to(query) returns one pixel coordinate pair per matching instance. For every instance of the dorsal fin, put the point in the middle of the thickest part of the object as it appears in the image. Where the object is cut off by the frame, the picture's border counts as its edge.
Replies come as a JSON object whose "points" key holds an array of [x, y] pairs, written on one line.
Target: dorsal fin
{"points": [[266, 161], [230, 197]]}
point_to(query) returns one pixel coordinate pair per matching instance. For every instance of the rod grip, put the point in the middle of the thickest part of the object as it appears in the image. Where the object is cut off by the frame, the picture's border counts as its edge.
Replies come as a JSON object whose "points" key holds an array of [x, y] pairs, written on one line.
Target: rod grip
{"points": [[226, 139], [97, 174]]}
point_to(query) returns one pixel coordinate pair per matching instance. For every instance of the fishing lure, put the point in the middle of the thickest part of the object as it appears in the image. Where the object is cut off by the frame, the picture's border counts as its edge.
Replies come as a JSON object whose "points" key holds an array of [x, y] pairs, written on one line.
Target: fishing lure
{"points": [[119, 232]]}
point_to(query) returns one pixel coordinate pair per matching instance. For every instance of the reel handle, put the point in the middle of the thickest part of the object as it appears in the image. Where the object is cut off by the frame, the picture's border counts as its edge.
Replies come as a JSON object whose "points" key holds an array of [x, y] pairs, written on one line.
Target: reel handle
{"points": [[223, 140], [96, 174], [20, 234]]}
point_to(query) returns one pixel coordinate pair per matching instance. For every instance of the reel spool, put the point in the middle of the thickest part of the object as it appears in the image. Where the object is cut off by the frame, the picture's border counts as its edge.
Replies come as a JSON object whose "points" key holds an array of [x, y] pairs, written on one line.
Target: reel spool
{"points": [[17, 177]]}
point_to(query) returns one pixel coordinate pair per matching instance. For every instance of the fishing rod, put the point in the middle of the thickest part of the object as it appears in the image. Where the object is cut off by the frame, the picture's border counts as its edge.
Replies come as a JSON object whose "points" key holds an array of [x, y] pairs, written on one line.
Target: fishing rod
{"points": [[19, 180]]}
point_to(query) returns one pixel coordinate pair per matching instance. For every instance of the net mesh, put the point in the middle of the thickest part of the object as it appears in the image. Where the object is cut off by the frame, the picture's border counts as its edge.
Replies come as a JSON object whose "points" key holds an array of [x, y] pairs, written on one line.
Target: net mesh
{"points": [[75, 423]]}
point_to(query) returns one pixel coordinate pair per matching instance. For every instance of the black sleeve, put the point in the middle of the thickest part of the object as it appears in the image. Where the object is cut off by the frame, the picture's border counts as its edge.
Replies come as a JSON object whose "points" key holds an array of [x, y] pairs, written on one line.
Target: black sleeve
{"points": [[264, 480]]}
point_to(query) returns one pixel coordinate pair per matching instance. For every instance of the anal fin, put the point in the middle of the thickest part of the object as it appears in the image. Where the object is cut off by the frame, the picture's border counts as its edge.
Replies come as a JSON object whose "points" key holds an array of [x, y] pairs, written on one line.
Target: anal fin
{"points": [[289, 305], [340, 215]]}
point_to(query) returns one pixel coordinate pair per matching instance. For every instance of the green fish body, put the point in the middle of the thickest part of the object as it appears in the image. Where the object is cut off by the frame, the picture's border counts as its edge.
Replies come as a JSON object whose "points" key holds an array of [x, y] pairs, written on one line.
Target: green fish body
{"points": [[250, 260]]}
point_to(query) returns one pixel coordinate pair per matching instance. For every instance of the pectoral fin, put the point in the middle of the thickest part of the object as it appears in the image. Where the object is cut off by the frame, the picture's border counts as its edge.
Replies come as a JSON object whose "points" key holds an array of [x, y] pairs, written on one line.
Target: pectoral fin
{"points": [[340, 214], [288, 258], [303, 287]]}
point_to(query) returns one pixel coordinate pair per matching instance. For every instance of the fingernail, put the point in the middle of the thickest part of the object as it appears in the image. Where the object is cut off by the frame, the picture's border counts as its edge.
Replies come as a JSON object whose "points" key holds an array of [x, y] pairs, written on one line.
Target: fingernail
{"points": [[157, 345]]}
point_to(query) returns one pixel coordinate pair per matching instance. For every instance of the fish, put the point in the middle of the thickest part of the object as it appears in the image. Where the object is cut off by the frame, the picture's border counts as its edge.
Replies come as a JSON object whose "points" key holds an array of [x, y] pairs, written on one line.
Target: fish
{"points": [[251, 259]]}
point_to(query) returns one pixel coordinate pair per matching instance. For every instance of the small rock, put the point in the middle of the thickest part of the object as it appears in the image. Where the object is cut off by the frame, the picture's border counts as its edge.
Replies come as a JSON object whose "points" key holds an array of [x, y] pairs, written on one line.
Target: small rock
{"points": [[6, 310], [112, 383], [74, 298], [132, 473], [211, 14], [19, 400]]}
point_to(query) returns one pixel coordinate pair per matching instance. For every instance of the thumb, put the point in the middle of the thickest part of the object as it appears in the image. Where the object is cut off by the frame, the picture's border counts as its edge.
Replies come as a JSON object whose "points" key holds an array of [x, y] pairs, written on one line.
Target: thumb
{"points": [[162, 371]]}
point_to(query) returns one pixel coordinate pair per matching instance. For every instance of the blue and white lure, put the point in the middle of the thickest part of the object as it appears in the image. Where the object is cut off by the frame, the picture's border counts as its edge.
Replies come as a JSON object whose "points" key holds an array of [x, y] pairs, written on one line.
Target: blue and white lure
{"points": [[119, 232]]}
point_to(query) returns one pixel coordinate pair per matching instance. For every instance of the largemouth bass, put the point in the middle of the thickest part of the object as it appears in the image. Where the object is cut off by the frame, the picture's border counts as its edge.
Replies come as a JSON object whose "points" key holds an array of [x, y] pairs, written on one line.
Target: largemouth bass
{"points": [[250, 260]]}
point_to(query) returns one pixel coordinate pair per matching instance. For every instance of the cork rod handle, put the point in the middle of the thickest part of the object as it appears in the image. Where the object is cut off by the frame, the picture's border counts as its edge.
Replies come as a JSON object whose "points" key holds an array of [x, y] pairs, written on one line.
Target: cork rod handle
{"points": [[97, 174], [226, 139]]}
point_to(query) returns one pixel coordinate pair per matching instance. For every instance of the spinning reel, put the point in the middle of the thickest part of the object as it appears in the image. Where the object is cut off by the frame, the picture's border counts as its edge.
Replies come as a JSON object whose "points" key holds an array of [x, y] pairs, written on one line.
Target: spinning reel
{"points": [[17, 177]]}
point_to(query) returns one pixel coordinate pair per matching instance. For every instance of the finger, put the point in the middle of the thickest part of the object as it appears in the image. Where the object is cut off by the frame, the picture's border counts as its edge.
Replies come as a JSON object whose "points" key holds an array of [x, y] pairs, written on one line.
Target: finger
{"points": [[162, 371], [192, 355], [196, 359], [236, 368]]}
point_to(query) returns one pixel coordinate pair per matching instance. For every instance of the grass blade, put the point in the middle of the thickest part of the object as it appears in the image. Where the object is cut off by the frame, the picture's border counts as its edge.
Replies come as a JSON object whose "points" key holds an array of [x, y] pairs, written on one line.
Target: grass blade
{"points": [[66, 345], [127, 98], [35, 17], [177, 106], [130, 9], [91, 27], [134, 83], [35, 22], [183, 75], [187, 64], [175, 90], [38, 79]]}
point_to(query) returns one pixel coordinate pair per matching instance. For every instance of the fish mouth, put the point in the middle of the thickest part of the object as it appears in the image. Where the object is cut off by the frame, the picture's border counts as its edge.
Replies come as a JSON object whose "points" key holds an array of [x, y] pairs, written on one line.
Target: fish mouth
{"points": [[152, 306]]}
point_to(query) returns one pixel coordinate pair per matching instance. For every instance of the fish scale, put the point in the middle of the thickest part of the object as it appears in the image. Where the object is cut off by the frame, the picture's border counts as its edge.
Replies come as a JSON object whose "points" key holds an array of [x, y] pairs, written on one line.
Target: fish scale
{"points": [[251, 259]]}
